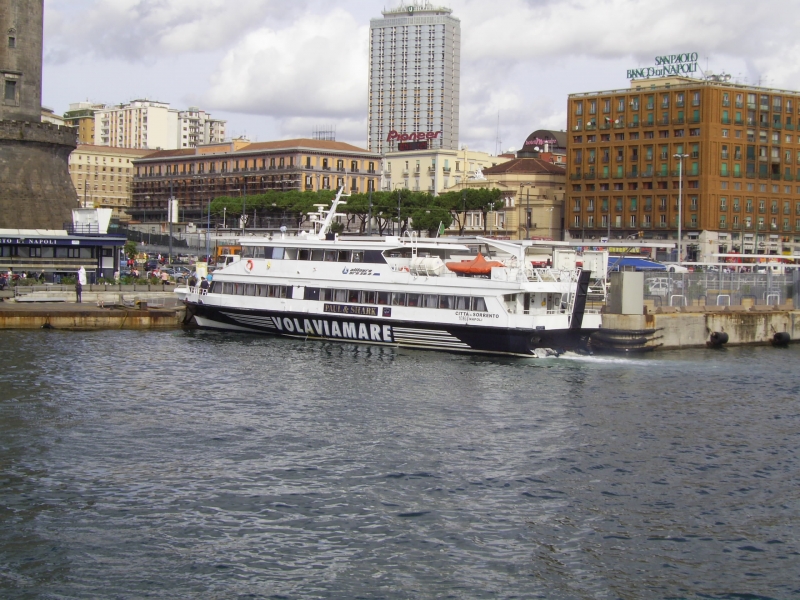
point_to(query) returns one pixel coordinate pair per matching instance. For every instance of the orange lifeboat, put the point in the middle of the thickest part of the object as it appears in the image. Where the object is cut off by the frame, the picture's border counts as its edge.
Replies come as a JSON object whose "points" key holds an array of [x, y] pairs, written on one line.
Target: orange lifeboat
{"points": [[476, 266]]}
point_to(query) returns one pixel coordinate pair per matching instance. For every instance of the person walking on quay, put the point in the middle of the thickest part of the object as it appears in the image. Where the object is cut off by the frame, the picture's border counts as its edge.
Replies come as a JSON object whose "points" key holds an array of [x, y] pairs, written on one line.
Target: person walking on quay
{"points": [[81, 281]]}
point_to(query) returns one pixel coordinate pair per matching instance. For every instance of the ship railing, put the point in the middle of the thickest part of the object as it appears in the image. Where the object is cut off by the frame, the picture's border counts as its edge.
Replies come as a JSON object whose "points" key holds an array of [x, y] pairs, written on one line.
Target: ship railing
{"points": [[542, 275], [198, 291]]}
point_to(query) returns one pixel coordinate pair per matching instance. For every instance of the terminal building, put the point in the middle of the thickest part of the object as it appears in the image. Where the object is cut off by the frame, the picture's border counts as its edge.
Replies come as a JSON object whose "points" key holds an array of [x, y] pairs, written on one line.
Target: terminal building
{"points": [[731, 151]]}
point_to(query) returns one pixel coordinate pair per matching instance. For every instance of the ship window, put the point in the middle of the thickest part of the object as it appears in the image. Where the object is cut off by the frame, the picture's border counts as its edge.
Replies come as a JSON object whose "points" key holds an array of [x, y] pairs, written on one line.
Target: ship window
{"points": [[369, 297], [277, 253], [250, 289], [290, 254], [414, 299], [259, 251], [330, 256], [262, 290], [275, 291], [227, 288], [317, 254], [447, 302], [383, 297], [398, 299], [462, 302], [431, 301], [340, 295], [327, 295], [238, 289], [344, 255], [358, 256], [303, 254], [479, 304], [353, 296]]}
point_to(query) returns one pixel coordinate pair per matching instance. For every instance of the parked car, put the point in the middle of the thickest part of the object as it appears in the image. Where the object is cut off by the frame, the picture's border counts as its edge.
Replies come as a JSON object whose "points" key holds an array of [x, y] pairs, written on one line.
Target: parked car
{"points": [[677, 269]]}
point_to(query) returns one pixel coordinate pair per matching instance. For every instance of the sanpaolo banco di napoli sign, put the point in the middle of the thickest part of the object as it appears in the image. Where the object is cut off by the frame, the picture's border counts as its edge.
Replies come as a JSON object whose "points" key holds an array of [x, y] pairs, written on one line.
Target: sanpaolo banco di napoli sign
{"points": [[670, 64]]}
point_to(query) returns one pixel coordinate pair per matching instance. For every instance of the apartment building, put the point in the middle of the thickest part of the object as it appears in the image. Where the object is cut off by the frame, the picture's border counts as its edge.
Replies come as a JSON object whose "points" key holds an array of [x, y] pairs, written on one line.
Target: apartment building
{"points": [[152, 125], [80, 117], [196, 127], [195, 176], [414, 78], [731, 151], [103, 177], [433, 171]]}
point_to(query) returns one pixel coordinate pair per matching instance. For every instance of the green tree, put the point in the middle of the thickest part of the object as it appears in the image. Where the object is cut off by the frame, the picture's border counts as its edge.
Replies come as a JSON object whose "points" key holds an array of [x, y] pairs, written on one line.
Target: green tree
{"points": [[129, 249]]}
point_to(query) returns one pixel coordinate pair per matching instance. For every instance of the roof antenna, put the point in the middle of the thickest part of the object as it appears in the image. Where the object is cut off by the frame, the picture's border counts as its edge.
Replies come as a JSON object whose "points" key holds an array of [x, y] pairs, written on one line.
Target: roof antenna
{"points": [[497, 142]]}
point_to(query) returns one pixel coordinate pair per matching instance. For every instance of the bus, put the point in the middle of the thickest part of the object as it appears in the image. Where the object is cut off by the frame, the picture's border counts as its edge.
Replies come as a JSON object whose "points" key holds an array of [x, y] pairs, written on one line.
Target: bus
{"points": [[224, 253]]}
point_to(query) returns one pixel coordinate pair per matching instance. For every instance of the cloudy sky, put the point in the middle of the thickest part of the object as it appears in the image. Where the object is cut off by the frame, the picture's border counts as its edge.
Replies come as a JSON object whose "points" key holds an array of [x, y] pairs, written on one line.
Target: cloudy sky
{"points": [[279, 68]]}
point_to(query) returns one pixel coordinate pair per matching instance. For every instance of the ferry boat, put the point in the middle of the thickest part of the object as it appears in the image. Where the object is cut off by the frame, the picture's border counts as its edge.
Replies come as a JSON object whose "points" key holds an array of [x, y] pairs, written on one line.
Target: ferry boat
{"points": [[426, 293]]}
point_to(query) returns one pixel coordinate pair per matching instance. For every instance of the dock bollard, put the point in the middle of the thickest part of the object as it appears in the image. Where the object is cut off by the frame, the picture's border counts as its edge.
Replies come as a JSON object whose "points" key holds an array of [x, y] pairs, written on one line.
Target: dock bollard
{"points": [[781, 338], [717, 339]]}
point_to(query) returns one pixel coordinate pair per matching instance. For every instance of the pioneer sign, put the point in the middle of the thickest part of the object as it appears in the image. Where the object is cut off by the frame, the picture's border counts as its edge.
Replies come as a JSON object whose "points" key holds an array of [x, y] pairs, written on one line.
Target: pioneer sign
{"points": [[416, 136]]}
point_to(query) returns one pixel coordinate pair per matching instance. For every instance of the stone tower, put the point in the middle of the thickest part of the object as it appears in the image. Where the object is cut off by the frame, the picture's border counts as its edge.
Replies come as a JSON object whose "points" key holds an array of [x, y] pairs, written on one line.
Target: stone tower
{"points": [[36, 191]]}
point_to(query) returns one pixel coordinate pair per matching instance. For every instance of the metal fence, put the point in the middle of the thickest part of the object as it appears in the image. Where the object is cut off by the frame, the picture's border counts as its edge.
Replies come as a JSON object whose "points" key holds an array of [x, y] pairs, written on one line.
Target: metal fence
{"points": [[721, 289]]}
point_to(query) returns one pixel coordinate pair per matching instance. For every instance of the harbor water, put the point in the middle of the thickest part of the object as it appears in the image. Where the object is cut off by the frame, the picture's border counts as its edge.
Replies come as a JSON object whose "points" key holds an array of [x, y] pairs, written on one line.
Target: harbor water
{"points": [[195, 464]]}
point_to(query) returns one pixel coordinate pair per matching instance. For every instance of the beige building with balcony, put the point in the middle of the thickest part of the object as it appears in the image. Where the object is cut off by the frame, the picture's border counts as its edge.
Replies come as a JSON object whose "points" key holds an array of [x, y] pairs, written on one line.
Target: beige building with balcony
{"points": [[433, 171], [195, 176], [533, 198], [103, 177]]}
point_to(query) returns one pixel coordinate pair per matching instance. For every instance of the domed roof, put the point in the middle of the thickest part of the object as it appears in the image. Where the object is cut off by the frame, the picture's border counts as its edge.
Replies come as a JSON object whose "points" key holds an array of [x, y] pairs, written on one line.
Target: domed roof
{"points": [[556, 141]]}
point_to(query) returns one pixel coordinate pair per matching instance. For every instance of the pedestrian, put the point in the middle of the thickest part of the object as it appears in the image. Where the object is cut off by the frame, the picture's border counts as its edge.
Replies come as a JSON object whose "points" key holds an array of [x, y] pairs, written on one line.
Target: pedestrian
{"points": [[192, 281], [204, 285], [164, 277], [41, 276], [78, 290]]}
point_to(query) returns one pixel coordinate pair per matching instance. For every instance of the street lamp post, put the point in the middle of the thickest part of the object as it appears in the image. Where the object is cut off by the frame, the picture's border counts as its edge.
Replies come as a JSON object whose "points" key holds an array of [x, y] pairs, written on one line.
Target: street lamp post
{"points": [[208, 229], [369, 214], [398, 187], [464, 206], [170, 217], [244, 206], [528, 213], [680, 158]]}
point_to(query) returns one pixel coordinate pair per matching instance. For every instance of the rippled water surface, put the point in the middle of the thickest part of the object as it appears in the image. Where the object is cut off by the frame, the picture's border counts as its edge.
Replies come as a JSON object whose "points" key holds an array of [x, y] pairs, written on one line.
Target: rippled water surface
{"points": [[205, 465]]}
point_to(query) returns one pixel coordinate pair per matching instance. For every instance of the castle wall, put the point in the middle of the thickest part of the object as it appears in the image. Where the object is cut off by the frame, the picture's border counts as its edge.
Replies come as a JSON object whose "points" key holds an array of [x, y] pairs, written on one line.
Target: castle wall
{"points": [[36, 190], [21, 28]]}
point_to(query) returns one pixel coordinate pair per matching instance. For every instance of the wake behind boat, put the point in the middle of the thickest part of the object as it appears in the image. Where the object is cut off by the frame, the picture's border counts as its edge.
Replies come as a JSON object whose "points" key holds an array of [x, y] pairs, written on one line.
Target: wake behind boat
{"points": [[401, 291]]}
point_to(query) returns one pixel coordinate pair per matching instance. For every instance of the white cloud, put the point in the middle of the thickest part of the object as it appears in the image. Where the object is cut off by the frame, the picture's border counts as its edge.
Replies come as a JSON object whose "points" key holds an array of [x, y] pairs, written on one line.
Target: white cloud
{"points": [[153, 30], [280, 68], [317, 67]]}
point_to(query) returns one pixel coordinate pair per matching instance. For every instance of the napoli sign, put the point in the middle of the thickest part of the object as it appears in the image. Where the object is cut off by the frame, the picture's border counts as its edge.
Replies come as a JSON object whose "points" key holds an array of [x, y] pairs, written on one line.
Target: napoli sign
{"points": [[670, 64]]}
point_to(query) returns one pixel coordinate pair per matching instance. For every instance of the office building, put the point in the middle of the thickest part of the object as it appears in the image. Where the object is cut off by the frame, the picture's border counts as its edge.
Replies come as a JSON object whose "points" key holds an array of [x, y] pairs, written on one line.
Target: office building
{"points": [[731, 151], [414, 79]]}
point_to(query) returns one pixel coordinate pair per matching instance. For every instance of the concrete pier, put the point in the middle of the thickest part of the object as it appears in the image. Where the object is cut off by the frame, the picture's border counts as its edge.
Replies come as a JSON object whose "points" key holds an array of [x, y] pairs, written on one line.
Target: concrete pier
{"points": [[692, 326], [85, 316]]}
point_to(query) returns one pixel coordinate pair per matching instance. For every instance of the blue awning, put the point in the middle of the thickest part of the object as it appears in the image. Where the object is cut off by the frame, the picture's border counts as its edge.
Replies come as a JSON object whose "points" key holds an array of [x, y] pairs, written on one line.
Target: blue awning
{"points": [[631, 263]]}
